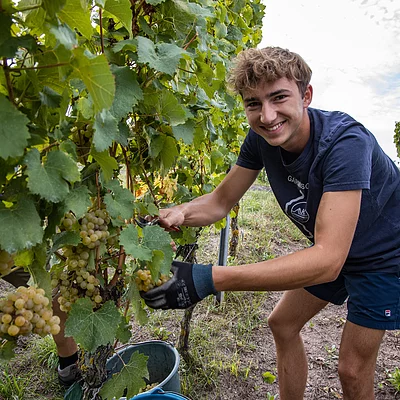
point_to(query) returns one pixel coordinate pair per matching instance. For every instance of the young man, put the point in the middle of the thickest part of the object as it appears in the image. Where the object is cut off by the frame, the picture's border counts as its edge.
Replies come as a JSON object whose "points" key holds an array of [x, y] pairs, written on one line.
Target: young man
{"points": [[335, 183]]}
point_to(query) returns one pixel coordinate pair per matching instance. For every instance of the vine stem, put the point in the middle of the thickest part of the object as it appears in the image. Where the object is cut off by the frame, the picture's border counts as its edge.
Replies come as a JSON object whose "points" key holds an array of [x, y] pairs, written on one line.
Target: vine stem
{"points": [[129, 178], [101, 29], [135, 14], [147, 181], [118, 271], [8, 77], [149, 186], [39, 67], [190, 42], [98, 206]]}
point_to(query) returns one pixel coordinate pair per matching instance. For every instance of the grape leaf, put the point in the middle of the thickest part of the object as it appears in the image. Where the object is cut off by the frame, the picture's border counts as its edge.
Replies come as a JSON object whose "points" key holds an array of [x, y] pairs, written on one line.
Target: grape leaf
{"points": [[122, 10], [65, 36], [167, 106], [106, 130], [184, 131], [128, 91], [50, 97], [156, 238], [65, 239], [136, 301], [168, 154], [24, 258], [120, 202], [13, 130], [123, 332], [20, 226], [76, 17], [37, 269], [50, 180], [163, 57], [89, 328], [7, 350], [107, 163], [96, 74], [52, 7], [74, 392], [129, 238], [156, 145], [193, 9], [156, 265], [131, 377], [154, 2], [78, 201]]}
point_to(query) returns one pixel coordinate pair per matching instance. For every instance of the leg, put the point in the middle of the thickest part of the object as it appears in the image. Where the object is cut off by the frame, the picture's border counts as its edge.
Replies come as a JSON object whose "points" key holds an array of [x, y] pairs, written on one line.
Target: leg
{"points": [[295, 308], [68, 371], [66, 346], [357, 360]]}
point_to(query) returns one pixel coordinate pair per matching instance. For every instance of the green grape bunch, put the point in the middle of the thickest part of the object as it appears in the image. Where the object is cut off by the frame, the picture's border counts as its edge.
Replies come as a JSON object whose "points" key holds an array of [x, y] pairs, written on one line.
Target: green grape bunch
{"points": [[27, 310], [6, 262], [145, 282], [75, 280], [92, 227], [82, 137]]}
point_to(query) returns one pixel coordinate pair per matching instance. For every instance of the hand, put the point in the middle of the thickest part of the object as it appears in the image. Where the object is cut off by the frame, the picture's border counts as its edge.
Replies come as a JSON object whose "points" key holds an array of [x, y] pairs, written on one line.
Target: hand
{"points": [[190, 284], [171, 219]]}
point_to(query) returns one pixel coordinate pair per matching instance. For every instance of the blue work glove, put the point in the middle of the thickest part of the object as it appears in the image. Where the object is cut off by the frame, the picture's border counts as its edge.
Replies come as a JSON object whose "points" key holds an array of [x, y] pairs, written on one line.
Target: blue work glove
{"points": [[189, 284]]}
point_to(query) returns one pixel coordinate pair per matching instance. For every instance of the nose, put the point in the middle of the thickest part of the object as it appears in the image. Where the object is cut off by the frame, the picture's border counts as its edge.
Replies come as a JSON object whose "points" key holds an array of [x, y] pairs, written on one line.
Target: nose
{"points": [[267, 114]]}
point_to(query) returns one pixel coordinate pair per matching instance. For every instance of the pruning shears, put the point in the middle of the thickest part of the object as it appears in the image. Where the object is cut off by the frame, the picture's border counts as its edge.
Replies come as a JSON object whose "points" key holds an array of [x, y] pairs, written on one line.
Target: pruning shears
{"points": [[146, 221]]}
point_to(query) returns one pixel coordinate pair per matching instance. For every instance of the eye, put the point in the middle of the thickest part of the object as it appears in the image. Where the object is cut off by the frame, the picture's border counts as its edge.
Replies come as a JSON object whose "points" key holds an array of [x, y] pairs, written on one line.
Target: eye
{"points": [[280, 97], [252, 105]]}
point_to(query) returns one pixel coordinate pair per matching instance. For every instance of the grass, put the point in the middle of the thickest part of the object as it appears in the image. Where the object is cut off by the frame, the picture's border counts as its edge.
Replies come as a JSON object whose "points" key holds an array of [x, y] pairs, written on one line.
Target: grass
{"points": [[31, 374], [13, 387], [394, 379]]}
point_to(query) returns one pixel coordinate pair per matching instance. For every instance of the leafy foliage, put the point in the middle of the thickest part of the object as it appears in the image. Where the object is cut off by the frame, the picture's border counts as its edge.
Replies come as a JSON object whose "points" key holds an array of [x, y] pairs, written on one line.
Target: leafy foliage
{"points": [[115, 105], [397, 137]]}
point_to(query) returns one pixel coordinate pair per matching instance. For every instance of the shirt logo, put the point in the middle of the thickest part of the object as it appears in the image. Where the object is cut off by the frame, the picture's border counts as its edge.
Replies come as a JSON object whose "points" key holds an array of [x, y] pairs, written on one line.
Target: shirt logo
{"points": [[388, 313], [299, 212]]}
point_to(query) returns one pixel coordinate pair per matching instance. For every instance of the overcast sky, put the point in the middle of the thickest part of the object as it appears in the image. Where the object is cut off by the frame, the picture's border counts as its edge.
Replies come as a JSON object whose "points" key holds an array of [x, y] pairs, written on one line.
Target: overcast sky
{"points": [[353, 48]]}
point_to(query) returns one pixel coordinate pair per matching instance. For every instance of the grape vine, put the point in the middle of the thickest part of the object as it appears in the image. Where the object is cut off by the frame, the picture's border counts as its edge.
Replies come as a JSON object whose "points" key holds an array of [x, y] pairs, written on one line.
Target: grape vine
{"points": [[110, 110]]}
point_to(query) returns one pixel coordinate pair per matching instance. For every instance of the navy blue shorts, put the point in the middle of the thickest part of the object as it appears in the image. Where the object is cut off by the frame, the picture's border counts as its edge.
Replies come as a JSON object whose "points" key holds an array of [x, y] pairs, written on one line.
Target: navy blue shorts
{"points": [[18, 278], [373, 298]]}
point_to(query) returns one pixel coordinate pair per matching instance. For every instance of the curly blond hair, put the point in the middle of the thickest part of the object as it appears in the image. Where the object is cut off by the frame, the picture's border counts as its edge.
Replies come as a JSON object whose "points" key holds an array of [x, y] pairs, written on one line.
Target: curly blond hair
{"points": [[253, 66]]}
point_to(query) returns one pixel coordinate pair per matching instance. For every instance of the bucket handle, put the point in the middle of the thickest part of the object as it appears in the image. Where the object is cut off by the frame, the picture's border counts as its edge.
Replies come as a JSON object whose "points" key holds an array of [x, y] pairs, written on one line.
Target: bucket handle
{"points": [[160, 391]]}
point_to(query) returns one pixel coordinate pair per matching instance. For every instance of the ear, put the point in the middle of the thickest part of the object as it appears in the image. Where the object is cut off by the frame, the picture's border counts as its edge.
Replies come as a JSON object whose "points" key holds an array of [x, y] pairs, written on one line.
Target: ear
{"points": [[308, 96]]}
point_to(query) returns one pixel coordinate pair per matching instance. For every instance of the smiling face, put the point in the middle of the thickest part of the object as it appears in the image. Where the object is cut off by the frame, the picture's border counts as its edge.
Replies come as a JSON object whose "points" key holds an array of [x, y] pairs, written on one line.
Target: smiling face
{"points": [[278, 112]]}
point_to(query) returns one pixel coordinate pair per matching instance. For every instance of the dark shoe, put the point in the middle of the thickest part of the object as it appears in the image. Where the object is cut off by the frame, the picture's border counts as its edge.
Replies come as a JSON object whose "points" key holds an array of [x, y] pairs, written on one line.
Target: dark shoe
{"points": [[68, 375]]}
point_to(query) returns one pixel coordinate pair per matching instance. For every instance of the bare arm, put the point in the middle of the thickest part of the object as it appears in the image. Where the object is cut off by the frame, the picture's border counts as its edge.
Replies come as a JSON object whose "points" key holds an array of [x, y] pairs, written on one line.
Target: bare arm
{"points": [[334, 231], [212, 207]]}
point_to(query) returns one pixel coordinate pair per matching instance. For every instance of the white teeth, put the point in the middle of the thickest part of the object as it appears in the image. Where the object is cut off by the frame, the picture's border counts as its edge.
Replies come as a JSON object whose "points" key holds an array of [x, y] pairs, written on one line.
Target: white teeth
{"points": [[275, 127]]}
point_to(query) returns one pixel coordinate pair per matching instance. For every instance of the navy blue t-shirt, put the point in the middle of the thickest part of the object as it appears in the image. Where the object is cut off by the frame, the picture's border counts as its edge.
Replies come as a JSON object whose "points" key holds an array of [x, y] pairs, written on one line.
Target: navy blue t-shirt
{"points": [[341, 154]]}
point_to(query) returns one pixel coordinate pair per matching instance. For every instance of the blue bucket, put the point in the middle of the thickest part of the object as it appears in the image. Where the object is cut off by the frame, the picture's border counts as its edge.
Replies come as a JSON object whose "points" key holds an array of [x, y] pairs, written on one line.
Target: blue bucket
{"points": [[158, 394], [162, 364]]}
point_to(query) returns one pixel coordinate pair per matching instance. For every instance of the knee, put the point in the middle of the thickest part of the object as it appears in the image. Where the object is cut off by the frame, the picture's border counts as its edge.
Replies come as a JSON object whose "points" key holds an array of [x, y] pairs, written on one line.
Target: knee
{"points": [[282, 328], [349, 372]]}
